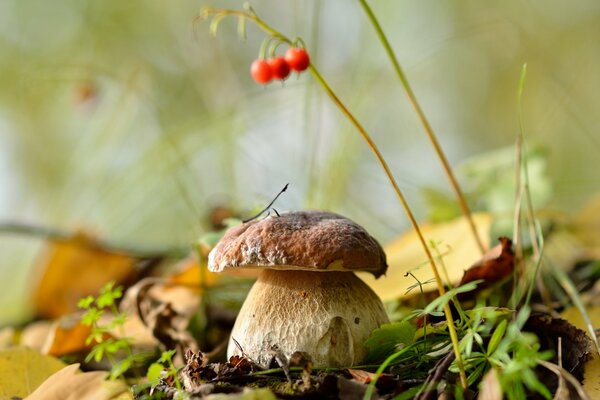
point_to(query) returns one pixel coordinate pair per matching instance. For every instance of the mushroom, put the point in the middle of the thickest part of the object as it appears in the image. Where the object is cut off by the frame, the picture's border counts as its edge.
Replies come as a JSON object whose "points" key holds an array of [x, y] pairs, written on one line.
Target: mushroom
{"points": [[307, 297]]}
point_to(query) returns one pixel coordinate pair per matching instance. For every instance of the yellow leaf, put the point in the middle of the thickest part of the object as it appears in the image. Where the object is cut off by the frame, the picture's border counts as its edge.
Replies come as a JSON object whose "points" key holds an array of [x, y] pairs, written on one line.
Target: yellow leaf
{"points": [[574, 316], [22, 370], [591, 376], [191, 274], [454, 240], [68, 336], [586, 226], [72, 269], [71, 384]]}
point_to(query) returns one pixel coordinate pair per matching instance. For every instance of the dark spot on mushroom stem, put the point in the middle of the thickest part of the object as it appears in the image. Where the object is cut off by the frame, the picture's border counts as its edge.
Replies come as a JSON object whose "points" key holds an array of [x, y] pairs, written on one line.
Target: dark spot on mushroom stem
{"points": [[333, 340], [356, 320]]}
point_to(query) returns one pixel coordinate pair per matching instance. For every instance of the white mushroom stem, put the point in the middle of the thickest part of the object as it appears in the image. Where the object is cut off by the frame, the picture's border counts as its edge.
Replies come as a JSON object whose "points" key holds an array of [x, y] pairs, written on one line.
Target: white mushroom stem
{"points": [[328, 315]]}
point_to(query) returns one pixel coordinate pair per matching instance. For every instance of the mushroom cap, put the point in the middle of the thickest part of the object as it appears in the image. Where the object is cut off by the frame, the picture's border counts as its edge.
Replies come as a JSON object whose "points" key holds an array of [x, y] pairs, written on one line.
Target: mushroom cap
{"points": [[300, 240]]}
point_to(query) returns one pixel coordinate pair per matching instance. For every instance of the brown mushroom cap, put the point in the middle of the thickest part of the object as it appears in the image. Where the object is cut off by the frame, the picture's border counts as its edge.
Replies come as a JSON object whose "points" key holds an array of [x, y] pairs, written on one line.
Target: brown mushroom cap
{"points": [[301, 240]]}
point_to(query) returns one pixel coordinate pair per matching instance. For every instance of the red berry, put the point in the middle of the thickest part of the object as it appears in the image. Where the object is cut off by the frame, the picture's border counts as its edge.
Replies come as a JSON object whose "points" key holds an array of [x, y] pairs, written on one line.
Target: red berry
{"points": [[297, 58], [261, 71], [279, 68]]}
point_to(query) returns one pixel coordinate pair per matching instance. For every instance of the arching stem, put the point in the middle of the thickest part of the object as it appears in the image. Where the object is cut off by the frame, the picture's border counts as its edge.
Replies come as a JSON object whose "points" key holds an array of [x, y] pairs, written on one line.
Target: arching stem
{"points": [[425, 122]]}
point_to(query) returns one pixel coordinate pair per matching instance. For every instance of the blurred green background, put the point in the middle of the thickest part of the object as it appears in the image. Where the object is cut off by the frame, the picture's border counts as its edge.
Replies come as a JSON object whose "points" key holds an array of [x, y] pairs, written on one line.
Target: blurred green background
{"points": [[127, 119]]}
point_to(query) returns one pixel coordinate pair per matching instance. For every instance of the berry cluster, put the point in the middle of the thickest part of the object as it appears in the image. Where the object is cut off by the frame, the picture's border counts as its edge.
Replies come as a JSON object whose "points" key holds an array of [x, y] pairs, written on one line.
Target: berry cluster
{"points": [[264, 71]]}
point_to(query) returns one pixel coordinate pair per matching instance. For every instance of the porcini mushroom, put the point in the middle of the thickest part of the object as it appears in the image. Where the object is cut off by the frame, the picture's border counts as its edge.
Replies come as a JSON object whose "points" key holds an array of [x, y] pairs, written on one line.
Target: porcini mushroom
{"points": [[307, 297]]}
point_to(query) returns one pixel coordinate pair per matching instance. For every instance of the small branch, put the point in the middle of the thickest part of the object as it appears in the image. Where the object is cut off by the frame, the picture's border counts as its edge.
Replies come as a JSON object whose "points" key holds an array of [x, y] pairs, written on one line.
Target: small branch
{"points": [[19, 228]]}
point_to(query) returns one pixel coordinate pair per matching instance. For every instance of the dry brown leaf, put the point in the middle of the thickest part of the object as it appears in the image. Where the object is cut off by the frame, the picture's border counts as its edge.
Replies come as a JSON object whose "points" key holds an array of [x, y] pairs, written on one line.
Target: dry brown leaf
{"points": [[361, 376], [405, 254], [22, 370], [72, 269], [71, 384], [495, 265]]}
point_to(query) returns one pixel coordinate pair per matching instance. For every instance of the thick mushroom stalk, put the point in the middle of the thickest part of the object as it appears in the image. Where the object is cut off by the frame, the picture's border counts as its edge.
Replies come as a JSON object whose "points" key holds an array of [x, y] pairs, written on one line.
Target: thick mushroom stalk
{"points": [[328, 315]]}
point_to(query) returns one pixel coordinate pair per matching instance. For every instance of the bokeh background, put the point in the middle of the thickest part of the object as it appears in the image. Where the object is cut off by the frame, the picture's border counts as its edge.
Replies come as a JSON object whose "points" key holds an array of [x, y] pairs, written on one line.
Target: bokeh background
{"points": [[125, 118]]}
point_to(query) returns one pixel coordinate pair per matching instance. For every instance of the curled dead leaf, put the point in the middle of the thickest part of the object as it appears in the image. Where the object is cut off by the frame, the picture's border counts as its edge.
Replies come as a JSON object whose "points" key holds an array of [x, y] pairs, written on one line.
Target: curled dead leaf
{"points": [[495, 265]]}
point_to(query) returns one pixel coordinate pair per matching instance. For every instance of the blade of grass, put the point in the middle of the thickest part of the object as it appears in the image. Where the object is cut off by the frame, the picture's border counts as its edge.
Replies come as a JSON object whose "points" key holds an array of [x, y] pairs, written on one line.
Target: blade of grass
{"points": [[425, 122], [569, 287]]}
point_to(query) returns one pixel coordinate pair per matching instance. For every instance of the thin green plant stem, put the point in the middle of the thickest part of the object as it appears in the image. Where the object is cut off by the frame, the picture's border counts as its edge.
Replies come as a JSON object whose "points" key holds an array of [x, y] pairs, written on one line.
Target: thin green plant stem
{"points": [[426, 125], [375, 150], [538, 256], [408, 211]]}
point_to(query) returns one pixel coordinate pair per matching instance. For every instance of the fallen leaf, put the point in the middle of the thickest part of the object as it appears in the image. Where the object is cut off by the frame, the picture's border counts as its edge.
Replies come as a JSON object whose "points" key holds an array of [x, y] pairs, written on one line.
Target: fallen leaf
{"points": [[190, 273], [22, 370], [576, 345], [365, 377], [75, 268], [456, 243], [71, 384], [67, 336], [495, 265], [490, 388], [574, 316], [35, 335], [591, 377], [586, 227]]}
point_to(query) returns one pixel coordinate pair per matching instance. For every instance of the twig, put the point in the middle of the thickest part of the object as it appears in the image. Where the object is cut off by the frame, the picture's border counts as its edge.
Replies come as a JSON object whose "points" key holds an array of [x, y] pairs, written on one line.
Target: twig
{"points": [[20, 228], [435, 377], [269, 205]]}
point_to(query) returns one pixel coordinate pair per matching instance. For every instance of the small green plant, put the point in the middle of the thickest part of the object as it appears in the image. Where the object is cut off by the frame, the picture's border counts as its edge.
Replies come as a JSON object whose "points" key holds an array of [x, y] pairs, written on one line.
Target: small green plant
{"points": [[164, 363], [106, 345]]}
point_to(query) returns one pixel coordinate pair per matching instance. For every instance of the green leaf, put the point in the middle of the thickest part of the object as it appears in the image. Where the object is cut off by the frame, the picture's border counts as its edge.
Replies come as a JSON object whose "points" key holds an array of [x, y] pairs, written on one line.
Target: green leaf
{"points": [[167, 356], [497, 337], [154, 372], [385, 340], [120, 368], [439, 303], [91, 316], [86, 302]]}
